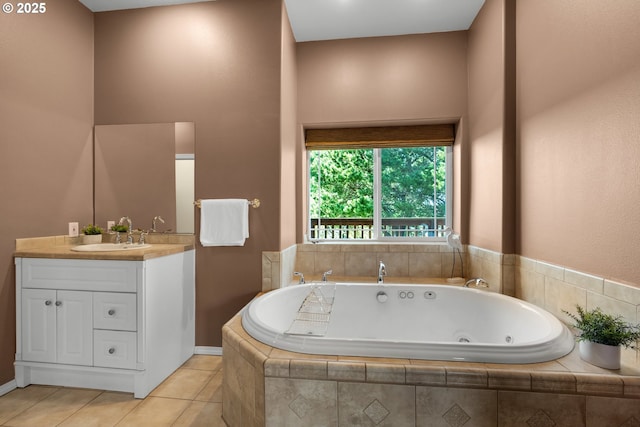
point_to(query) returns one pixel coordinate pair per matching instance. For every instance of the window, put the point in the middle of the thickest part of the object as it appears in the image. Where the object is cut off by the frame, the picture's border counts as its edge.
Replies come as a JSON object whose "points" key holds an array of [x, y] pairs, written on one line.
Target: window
{"points": [[393, 191]]}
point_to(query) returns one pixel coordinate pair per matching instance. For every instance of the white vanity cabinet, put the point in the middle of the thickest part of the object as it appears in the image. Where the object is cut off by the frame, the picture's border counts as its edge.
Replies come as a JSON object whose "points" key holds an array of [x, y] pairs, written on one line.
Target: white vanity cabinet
{"points": [[56, 326], [108, 324]]}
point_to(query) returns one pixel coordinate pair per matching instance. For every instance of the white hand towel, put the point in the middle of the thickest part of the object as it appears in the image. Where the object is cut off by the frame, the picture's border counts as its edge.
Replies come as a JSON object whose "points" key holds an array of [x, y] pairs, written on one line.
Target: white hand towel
{"points": [[224, 222]]}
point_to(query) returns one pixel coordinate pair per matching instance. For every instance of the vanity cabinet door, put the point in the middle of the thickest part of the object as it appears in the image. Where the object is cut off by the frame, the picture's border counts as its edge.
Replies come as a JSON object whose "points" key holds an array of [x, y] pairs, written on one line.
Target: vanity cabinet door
{"points": [[74, 327], [38, 325], [57, 326]]}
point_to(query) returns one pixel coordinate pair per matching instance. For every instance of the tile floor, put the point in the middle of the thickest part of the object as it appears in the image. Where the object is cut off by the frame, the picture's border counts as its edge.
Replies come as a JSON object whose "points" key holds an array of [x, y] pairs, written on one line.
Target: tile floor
{"points": [[191, 396]]}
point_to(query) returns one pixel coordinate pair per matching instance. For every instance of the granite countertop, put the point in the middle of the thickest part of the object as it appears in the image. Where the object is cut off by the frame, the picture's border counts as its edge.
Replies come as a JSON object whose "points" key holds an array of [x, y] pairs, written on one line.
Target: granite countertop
{"points": [[59, 247]]}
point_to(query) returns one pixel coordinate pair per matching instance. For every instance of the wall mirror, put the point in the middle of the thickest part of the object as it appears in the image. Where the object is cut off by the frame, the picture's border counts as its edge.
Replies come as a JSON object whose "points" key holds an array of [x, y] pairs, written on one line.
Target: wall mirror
{"points": [[143, 171]]}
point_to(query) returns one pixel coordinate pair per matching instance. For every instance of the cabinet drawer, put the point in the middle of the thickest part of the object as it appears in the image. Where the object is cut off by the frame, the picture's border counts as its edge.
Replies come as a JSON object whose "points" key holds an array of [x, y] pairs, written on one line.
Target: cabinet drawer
{"points": [[114, 311], [114, 349], [80, 274]]}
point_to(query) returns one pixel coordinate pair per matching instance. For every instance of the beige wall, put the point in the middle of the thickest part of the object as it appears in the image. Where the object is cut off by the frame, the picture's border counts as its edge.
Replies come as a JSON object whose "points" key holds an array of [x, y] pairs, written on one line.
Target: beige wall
{"points": [[402, 79], [217, 64], [486, 128], [415, 77], [288, 135], [46, 118], [578, 105]]}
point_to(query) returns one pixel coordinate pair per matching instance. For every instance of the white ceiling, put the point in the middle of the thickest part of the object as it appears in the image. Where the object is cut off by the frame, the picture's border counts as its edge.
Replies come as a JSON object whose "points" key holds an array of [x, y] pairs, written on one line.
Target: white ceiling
{"points": [[105, 5], [339, 19]]}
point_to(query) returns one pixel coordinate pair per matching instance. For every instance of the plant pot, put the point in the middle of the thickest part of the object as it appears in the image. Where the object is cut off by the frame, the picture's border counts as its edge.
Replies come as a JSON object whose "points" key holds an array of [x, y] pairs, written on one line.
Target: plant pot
{"points": [[90, 239], [604, 356]]}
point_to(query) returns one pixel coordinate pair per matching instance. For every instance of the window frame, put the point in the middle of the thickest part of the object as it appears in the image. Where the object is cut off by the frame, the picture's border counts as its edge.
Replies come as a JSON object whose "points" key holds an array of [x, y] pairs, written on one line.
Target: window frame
{"points": [[377, 194]]}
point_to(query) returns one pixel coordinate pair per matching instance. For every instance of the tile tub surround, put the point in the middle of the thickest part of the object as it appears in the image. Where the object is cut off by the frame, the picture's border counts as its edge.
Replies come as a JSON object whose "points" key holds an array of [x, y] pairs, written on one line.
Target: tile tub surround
{"points": [[358, 260], [556, 288], [272, 387], [549, 286], [278, 268], [496, 268]]}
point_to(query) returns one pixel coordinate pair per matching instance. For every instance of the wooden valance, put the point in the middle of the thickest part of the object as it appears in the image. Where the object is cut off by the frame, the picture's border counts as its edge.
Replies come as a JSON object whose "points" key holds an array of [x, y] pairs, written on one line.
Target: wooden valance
{"points": [[380, 137]]}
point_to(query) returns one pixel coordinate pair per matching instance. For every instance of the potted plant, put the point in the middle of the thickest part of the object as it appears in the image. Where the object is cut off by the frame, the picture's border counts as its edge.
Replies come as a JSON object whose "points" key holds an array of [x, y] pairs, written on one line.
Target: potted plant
{"points": [[119, 228], [91, 234], [602, 336]]}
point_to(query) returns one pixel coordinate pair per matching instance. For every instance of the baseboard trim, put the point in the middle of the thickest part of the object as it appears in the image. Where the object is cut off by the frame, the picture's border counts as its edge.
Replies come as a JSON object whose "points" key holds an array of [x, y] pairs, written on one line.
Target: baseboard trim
{"points": [[6, 388], [211, 351]]}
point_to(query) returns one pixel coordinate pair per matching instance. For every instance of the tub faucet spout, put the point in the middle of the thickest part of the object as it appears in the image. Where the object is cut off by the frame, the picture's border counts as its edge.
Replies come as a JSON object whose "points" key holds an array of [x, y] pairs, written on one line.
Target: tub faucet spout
{"points": [[477, 282], [382, 271]]}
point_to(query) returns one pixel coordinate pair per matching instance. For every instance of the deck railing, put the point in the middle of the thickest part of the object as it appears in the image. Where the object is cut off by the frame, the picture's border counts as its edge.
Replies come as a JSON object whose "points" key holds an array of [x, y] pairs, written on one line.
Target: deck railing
{"points": [[362, 228]]}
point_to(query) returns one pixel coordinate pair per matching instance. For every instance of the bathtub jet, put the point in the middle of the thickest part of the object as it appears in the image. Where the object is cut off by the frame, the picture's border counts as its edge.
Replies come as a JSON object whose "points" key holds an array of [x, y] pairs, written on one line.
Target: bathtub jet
{"points": [[431, 322]]}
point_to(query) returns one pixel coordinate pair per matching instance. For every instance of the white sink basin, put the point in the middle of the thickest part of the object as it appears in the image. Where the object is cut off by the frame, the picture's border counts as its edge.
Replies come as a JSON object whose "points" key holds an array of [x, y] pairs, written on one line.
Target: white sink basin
{"points": [[110, 247]]}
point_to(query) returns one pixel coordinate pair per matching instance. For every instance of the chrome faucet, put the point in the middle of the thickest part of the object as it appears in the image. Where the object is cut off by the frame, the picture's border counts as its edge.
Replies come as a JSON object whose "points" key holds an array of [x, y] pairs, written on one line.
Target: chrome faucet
{"points": [[154, 223], [297, 273], [325, 274], [129, 230], [476, 282], [382, 271]]}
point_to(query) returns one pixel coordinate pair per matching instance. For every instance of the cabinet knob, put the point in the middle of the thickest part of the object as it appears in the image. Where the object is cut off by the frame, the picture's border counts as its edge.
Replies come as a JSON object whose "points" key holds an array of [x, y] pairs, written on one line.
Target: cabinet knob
{"points": [[58, 303], [47, 302], [112, 350], [111, 312]]}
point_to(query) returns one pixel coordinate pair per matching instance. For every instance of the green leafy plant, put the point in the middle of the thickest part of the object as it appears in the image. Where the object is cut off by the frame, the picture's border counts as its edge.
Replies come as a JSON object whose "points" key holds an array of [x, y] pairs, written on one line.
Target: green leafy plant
{"points": [[119, 228], [602, 328], [91, 229]]}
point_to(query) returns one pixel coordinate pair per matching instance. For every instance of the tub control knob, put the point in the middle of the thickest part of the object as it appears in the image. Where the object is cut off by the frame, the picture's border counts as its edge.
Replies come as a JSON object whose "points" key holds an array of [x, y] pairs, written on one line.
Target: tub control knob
{"points": [[112, 350], [382, 296], [111, 312]]}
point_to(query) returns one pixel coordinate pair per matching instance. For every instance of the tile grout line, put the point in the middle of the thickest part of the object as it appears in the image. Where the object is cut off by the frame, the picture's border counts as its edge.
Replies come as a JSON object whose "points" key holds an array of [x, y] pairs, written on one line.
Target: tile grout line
{"points": [[57, 388], [80, 408]]}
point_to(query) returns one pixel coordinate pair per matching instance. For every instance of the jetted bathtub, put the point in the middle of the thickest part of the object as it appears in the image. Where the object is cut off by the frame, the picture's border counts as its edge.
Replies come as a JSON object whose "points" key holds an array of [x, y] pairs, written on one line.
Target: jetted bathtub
{"points": [[433, 322]]}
